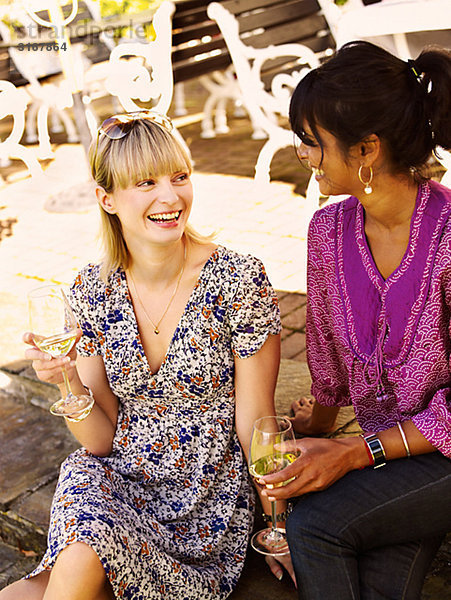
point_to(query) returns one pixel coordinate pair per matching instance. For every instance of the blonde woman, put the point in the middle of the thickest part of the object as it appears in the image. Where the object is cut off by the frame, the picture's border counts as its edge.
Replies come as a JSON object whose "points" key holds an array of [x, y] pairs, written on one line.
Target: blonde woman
{"points": [[180, 349]]}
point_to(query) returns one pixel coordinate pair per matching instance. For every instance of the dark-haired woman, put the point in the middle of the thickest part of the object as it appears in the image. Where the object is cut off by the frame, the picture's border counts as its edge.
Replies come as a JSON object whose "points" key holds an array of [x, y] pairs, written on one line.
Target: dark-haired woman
{"points": [[378, 328]]}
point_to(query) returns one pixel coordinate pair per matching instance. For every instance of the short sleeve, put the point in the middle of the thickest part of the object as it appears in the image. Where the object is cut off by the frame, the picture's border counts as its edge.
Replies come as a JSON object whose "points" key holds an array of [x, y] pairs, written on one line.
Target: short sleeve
{"points": [[254, 309], [86, 295]]}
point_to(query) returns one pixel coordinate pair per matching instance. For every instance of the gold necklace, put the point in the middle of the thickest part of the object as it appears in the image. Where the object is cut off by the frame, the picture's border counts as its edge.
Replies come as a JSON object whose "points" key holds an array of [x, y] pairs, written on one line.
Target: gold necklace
{"points": [[156, 325]]}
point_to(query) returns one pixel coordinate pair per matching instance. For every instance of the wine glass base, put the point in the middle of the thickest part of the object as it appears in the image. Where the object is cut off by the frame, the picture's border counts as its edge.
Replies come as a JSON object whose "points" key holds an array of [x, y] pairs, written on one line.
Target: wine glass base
{"points": [[77, 406], [270, 542]]}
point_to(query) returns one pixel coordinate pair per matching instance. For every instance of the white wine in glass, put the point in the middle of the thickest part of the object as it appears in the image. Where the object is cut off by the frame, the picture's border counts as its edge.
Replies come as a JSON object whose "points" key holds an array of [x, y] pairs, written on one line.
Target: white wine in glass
{"points": [[54, 328], [272, 448]]}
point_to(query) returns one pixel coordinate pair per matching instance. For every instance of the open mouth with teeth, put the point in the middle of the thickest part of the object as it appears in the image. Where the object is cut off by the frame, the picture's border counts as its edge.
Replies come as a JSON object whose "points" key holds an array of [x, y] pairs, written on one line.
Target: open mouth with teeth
{"points": [[167, 217]]}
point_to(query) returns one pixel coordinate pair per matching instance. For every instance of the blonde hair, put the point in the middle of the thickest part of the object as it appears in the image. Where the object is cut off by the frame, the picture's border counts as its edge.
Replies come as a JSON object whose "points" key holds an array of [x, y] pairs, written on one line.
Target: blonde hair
{"points": [[147, 151]]}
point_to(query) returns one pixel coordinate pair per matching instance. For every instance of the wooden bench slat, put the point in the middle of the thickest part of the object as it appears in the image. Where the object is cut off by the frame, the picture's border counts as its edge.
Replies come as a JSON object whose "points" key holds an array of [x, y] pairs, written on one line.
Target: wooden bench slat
{"points": [[273, 16], [194, 32], [186, 53], [239, 6], [183, 72], [289, 33], [283, 22], [183, 18], [187, 5]]}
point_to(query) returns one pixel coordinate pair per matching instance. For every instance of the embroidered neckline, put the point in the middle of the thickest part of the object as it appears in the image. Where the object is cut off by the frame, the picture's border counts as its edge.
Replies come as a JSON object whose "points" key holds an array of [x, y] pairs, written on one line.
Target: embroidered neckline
{"points": [[380, 283], [381, 292]]}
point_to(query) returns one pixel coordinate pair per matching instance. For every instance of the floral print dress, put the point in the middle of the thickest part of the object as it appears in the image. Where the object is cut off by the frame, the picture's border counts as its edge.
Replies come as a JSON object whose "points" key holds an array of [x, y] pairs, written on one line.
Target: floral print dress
{"points": [[169, 511]]}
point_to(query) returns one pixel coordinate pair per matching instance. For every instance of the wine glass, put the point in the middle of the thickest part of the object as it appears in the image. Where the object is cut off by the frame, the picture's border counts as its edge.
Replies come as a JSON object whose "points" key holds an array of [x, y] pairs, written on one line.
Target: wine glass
{"points": [[54, 328], [272, 448]]}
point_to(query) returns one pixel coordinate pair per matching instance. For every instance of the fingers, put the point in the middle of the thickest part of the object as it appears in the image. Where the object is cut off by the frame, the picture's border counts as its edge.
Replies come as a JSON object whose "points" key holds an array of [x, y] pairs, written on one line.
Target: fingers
{"points": [[35, 354], [47, 368], [301, 403], [288, 472], [285, 492], [52, 371], [28, 338], [275, 567], [289, 567]]}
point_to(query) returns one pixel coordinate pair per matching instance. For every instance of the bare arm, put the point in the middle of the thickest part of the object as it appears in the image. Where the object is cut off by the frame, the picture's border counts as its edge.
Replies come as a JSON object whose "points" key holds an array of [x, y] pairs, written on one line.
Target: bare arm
{"points": [[96, 432], [311, 418], [255, 384]]}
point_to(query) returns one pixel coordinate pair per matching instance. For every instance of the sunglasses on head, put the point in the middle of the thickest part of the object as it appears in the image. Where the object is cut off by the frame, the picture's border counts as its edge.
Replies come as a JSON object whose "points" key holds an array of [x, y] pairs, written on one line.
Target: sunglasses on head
{"points": [[118, 126]]}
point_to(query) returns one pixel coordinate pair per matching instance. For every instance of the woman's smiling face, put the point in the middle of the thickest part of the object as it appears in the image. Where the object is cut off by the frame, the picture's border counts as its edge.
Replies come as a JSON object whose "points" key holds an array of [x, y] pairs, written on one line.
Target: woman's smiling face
{"points": [[335, 173], [154, 210]]}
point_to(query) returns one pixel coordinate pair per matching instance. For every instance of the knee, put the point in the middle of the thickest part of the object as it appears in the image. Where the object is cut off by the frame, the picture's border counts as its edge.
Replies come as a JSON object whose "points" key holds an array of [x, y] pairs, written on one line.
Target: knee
{"points": [[79, 560], [311, 521], [305, 519], [31, 589]]}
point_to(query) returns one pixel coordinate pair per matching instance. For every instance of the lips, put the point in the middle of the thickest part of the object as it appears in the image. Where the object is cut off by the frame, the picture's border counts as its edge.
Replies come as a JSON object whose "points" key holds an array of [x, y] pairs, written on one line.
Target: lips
{"points": [[166, 217]]}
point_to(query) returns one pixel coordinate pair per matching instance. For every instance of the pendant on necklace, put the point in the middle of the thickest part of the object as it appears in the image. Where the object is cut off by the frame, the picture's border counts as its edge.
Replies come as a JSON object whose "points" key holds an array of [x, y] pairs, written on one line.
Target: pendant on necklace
{"points": [[156, 331]]}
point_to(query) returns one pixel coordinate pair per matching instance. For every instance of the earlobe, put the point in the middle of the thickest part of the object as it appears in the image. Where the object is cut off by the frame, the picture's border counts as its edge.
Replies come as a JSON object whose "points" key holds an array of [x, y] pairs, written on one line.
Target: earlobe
{"points": [[105, 200]]}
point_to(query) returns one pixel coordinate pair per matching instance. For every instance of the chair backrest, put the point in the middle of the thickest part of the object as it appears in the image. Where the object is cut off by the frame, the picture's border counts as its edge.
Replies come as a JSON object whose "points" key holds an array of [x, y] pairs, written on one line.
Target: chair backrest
{"points": [[23, 67], [266, 75], [199, 47], [12, 102], [143, 70], [80, 29]]}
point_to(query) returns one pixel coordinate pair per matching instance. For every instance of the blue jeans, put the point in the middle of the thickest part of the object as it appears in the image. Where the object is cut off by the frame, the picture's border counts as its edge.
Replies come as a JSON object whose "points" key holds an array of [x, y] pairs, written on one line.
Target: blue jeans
{"points": [[373, 534]]}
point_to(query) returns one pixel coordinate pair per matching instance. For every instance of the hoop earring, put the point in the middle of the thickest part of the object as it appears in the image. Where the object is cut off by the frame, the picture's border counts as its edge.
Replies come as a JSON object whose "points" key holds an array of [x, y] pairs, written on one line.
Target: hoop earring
{"points": [[367, 189]]}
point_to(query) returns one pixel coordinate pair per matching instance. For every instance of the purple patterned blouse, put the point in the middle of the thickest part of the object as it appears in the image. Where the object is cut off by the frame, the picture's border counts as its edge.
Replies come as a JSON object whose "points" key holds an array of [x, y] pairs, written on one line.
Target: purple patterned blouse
{"points": [[383, 345]]}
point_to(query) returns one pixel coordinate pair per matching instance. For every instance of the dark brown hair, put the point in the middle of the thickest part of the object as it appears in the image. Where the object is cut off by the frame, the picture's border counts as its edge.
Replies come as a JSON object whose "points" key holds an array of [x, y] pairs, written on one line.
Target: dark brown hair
{"points": [[363, 89]]}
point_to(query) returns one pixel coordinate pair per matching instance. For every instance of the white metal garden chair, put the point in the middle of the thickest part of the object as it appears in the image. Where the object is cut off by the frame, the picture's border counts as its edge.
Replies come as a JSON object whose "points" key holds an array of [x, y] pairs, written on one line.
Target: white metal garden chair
{"points": [[143, 70], [265, 105], [14, 102]]}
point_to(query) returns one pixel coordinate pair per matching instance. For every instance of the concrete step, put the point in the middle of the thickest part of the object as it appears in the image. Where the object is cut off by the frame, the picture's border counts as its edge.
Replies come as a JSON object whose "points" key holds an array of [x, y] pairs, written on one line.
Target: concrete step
{"points": [[33, 445], [14, 564]]}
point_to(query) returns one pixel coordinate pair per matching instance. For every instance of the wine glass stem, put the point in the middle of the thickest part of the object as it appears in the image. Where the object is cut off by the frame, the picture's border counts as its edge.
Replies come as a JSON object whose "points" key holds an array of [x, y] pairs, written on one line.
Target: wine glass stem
{"points": [[273, 516], [66, 383]]}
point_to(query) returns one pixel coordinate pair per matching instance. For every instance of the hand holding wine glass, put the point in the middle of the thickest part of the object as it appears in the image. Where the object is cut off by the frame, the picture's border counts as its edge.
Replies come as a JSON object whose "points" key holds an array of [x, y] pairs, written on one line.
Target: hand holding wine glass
{"points": [[272, 448], [54, 328]]}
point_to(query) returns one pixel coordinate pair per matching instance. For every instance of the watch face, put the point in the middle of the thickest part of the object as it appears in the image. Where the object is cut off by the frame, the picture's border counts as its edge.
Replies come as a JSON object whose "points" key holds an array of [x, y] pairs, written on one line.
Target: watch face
{"points": [[376, 449]]}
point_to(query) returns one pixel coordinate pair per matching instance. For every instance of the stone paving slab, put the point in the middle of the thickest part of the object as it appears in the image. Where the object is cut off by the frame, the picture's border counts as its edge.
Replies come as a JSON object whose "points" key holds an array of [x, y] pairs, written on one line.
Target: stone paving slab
{"points": [[14, 564], [33, 445]]}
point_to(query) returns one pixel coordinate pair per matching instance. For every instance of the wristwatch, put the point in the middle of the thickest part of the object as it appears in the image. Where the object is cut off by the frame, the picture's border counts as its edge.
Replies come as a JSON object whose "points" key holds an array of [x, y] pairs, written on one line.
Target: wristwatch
{"points": [[280, 516], [376, 449]]}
